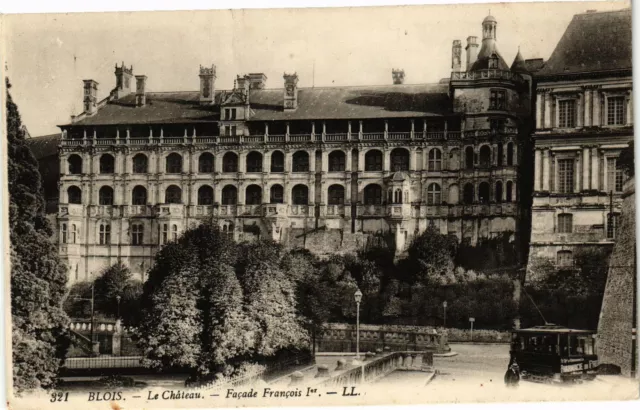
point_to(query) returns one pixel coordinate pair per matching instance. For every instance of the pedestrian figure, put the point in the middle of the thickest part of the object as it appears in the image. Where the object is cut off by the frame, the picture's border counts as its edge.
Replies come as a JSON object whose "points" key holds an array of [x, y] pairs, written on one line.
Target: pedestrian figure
{"points": [[512, 377]]}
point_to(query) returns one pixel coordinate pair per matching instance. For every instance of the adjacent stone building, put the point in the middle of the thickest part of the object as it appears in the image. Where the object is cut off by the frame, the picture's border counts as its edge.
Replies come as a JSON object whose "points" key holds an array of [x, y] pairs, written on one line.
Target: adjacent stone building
{"points": [[583, 116], [323, 168], [617, 342]]}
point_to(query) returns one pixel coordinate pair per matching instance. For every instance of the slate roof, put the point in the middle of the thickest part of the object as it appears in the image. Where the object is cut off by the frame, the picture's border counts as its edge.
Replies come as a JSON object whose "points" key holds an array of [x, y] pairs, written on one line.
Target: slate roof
{"points": [[519, 65], [593, 42], [44, 146], [488, 49], [534, 64], [401, 100]]}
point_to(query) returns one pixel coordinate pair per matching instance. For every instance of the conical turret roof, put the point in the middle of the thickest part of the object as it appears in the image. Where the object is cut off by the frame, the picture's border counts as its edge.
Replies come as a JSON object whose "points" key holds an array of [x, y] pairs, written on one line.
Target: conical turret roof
{"points": [[519, 66]]}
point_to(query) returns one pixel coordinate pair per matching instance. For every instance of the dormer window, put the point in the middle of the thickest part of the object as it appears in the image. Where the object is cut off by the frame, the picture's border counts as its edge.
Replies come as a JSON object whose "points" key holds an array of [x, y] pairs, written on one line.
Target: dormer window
{"points": [[230, 114], [493, 61]]}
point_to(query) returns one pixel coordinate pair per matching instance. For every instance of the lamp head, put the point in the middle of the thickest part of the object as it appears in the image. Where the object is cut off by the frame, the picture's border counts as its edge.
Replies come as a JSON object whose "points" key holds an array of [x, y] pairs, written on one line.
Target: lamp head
{"points": [[358, 296], [444, 304]]}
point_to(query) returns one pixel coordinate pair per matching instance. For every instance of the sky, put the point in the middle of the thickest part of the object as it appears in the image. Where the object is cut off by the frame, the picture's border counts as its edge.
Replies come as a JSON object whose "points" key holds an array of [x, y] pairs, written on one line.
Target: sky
{"points": [[48, 55]]}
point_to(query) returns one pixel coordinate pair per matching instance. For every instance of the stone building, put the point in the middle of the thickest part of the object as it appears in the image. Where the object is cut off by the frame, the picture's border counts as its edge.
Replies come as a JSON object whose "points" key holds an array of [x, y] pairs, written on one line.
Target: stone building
{"points": [[583, 120], [323, 168], [617, 343]]}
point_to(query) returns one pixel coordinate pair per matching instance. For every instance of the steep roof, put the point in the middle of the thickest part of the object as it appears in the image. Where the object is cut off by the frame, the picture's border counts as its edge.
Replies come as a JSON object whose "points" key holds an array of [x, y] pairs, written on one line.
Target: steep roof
{"points": [[44, 146], [487, 50], [519, 65], [533, 64], [401, 100], [593, 42]]}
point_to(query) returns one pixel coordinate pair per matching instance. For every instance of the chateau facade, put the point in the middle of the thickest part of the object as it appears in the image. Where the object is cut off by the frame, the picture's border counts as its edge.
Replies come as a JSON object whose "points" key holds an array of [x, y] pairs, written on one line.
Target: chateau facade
{"points": [[583, 121], [323, 168]]}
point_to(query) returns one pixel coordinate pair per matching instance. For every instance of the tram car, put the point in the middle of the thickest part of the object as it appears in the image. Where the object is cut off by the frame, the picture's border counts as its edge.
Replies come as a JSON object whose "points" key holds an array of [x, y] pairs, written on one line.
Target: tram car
{"points": [[554, 354]]}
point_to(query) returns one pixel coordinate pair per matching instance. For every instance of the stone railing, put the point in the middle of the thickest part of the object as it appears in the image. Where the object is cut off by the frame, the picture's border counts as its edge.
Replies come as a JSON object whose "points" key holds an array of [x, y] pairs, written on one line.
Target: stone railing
{"points": [[376, 368], [486, 74], [293, 138], [337, 337]]}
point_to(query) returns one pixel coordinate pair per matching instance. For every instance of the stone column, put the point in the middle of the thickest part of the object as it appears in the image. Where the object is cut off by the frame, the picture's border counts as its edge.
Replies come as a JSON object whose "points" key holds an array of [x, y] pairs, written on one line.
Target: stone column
{"points": [[242, 162], [595, 171], [312, 160], [537, 184], [412, 159], [217, 162], [361, 154], [348, 159], [547, 110], [546, 178], [587, 108], [580, 111], [288, 155], [312, 193], [386, 160], [241, 193], [325, 161], [596, 108], [539, 110], [586, 162]]}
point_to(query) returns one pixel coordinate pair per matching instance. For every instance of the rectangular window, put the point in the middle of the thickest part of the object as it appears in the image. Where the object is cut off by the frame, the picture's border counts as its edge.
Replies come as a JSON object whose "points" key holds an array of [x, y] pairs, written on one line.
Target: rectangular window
{"points": [[174, 233], [64, 233], [615, 111], [233, 130], [136, 234], [565, 176], [233, 114], [614, 175], [105, 234], [565, 223], [165, 234], [612, 225], [498, 100], [227, 113], [567, 114]]}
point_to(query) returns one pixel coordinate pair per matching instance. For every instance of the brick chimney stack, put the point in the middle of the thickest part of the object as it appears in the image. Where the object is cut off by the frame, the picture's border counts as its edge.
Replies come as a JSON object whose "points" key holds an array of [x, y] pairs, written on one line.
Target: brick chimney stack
{"points": [[290, 91], [90, 99], [472, 51], [207, 84], [456, 55], [141, 97], [398, 76], [124, 76]]}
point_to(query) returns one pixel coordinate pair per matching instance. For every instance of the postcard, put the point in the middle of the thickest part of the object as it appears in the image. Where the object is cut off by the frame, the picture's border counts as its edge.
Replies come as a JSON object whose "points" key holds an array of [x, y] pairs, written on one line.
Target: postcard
{"points": [[320, 206]]}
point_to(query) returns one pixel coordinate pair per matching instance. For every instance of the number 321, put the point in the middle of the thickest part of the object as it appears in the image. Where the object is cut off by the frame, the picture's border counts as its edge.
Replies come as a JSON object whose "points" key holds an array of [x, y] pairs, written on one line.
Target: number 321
{"points": [[59, 397]]}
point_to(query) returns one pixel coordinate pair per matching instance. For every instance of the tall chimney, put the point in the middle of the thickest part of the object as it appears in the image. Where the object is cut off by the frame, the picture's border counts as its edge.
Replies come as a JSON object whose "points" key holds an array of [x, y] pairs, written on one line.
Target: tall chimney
{"points": [[397, 75], [141, 98], [290, 91], [207, 84], [123, 80], [258, 81], [456, 55], [90, 99], [472, 51]]}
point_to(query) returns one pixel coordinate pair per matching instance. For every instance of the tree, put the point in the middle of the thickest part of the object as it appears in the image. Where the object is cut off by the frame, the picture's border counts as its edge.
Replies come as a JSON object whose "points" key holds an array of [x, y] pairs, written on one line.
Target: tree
{"points": [[38, 278], [431, 255], [626, 160], [270, 298], [109, 286]]}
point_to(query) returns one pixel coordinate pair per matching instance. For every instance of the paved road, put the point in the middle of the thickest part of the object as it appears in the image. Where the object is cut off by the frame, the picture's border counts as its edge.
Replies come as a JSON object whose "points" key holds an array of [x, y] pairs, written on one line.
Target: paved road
{"points": [[474, 363], [476, 374]]}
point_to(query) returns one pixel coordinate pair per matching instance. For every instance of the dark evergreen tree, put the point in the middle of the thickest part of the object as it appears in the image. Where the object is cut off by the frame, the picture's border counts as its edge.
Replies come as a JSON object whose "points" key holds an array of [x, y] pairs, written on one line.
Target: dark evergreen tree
{"points": [[38, 279]]}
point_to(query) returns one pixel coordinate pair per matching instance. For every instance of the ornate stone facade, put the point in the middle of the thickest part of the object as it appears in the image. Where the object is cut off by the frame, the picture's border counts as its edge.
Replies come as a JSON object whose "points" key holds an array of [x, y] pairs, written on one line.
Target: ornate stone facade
{"points": [[583, 121], [322, 168]]}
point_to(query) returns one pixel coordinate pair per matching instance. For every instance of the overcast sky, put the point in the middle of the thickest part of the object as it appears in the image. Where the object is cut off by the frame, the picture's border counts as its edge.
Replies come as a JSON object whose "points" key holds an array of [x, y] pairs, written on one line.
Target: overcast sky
{"points": [[48, 56]]}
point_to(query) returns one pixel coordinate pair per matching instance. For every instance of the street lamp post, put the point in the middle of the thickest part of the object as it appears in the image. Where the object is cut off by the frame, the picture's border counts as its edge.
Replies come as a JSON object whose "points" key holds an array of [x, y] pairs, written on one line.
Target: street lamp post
{"points": [[444, 305], [118, 314], [358, 298]]}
